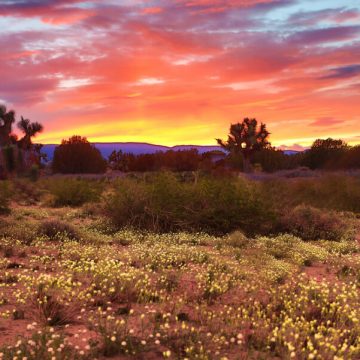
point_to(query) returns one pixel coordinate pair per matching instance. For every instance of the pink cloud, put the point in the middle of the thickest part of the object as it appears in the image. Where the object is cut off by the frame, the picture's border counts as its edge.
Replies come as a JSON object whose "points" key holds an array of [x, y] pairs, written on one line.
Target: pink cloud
{"points": [[152, 10], [326, 121]]}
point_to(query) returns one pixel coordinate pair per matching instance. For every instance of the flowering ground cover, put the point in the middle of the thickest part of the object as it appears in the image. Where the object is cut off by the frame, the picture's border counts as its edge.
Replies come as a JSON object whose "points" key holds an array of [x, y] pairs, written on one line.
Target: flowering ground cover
{"points": [[72, 287]]}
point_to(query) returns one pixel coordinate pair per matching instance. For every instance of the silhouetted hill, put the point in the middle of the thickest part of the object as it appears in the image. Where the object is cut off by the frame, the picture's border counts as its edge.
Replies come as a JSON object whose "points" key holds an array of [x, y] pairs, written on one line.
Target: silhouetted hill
{"points": [[135, 148], [291, 152]]}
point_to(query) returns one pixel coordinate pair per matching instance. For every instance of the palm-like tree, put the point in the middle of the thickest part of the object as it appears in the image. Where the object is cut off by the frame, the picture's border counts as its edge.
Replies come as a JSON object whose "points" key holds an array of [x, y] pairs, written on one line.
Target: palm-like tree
{"points": [[30, 130], [246, 138], [7, 118]]}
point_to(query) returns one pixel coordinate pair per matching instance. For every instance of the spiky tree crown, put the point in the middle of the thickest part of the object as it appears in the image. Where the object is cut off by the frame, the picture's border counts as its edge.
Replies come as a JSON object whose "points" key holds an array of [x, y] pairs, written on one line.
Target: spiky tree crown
{"points": [[28, 128], [246, 137]]}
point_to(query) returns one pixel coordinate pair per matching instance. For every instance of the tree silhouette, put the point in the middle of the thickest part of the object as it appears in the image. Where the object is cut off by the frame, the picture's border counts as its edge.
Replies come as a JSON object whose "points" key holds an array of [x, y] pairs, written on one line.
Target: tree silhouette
{"points": [[7, 118], [30, 130], [77, 155], [246, 138]]}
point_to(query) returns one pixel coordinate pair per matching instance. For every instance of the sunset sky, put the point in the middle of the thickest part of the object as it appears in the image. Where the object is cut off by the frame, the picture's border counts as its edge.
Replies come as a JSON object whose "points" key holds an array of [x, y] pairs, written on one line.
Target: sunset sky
{"points": [[180, 71]]}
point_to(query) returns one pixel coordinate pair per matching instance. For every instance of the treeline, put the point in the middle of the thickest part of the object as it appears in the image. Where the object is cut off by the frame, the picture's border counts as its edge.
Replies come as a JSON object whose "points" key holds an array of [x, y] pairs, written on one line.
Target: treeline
{"points": [[328, 154], [332, 154], [77, 155], [182, 160], [268, 160]]}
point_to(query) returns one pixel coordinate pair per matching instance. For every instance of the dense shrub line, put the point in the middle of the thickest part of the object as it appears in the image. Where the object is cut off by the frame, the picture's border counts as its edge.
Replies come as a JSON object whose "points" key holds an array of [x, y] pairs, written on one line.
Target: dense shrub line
{"points": [[166, 204], [316, 208]]}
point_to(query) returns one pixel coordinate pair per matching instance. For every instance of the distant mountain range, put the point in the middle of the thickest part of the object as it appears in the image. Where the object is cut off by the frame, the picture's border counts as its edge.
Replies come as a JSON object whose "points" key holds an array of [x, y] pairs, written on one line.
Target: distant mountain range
{"points": [[141, 148]]}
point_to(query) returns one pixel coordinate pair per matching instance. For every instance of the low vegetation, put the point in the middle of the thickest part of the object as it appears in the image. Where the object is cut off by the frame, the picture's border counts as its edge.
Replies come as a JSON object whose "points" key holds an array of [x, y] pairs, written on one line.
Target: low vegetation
{"points": [[167, 266]]}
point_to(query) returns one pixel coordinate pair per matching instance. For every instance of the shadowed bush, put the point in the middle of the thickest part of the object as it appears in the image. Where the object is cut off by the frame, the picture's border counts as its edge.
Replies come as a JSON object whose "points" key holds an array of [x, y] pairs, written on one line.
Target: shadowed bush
{"points": [[55, 229], [165, 204], [313, 224], [5, 196]]}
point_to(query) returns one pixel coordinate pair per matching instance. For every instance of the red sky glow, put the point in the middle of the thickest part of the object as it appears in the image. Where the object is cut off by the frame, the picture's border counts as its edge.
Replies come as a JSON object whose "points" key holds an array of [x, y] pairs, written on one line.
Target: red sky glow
{"points": [[180, 71]]}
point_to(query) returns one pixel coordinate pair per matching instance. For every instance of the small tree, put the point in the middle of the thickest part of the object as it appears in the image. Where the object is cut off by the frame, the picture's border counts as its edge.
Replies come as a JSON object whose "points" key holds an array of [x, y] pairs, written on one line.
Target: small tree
{"points": [[246, 138], [77, 155], [30, 130]]}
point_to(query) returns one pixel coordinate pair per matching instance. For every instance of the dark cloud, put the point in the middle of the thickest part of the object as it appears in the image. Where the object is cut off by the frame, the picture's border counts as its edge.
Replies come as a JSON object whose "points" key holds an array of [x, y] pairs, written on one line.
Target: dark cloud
{"points": [[343, 72], [330, 34]]}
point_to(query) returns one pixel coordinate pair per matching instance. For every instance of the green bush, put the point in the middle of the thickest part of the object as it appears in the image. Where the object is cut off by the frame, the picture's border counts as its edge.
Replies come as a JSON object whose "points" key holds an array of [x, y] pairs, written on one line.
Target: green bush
{"points": [[310, 223], [74, 192], [164, 204], [5, 196]]}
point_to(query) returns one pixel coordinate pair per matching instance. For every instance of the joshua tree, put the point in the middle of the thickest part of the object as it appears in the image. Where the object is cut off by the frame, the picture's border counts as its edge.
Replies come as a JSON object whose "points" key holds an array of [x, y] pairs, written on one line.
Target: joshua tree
{"points": [[246, 138], [7, 118], [30, 130]]}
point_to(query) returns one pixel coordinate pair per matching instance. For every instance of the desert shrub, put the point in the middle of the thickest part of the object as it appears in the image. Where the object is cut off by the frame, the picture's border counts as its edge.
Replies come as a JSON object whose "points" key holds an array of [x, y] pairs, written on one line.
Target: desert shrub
{"points": [[291, 248], [236, 239], [115, 335], [74, 192], [5, 196], [24, 232], [50, 308], [310, 223], [55, 229], [165, 204]]}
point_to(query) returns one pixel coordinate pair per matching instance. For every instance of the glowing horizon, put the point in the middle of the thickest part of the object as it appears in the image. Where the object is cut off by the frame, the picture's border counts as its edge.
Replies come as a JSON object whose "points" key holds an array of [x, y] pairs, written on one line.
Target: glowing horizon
{"points": [[180, 72]]}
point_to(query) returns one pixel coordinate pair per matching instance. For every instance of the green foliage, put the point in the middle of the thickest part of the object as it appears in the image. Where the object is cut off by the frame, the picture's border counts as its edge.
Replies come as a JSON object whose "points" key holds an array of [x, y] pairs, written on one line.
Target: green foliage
{"points": [[73, 192], [77, 155], [211, 205], [313, 224]]}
